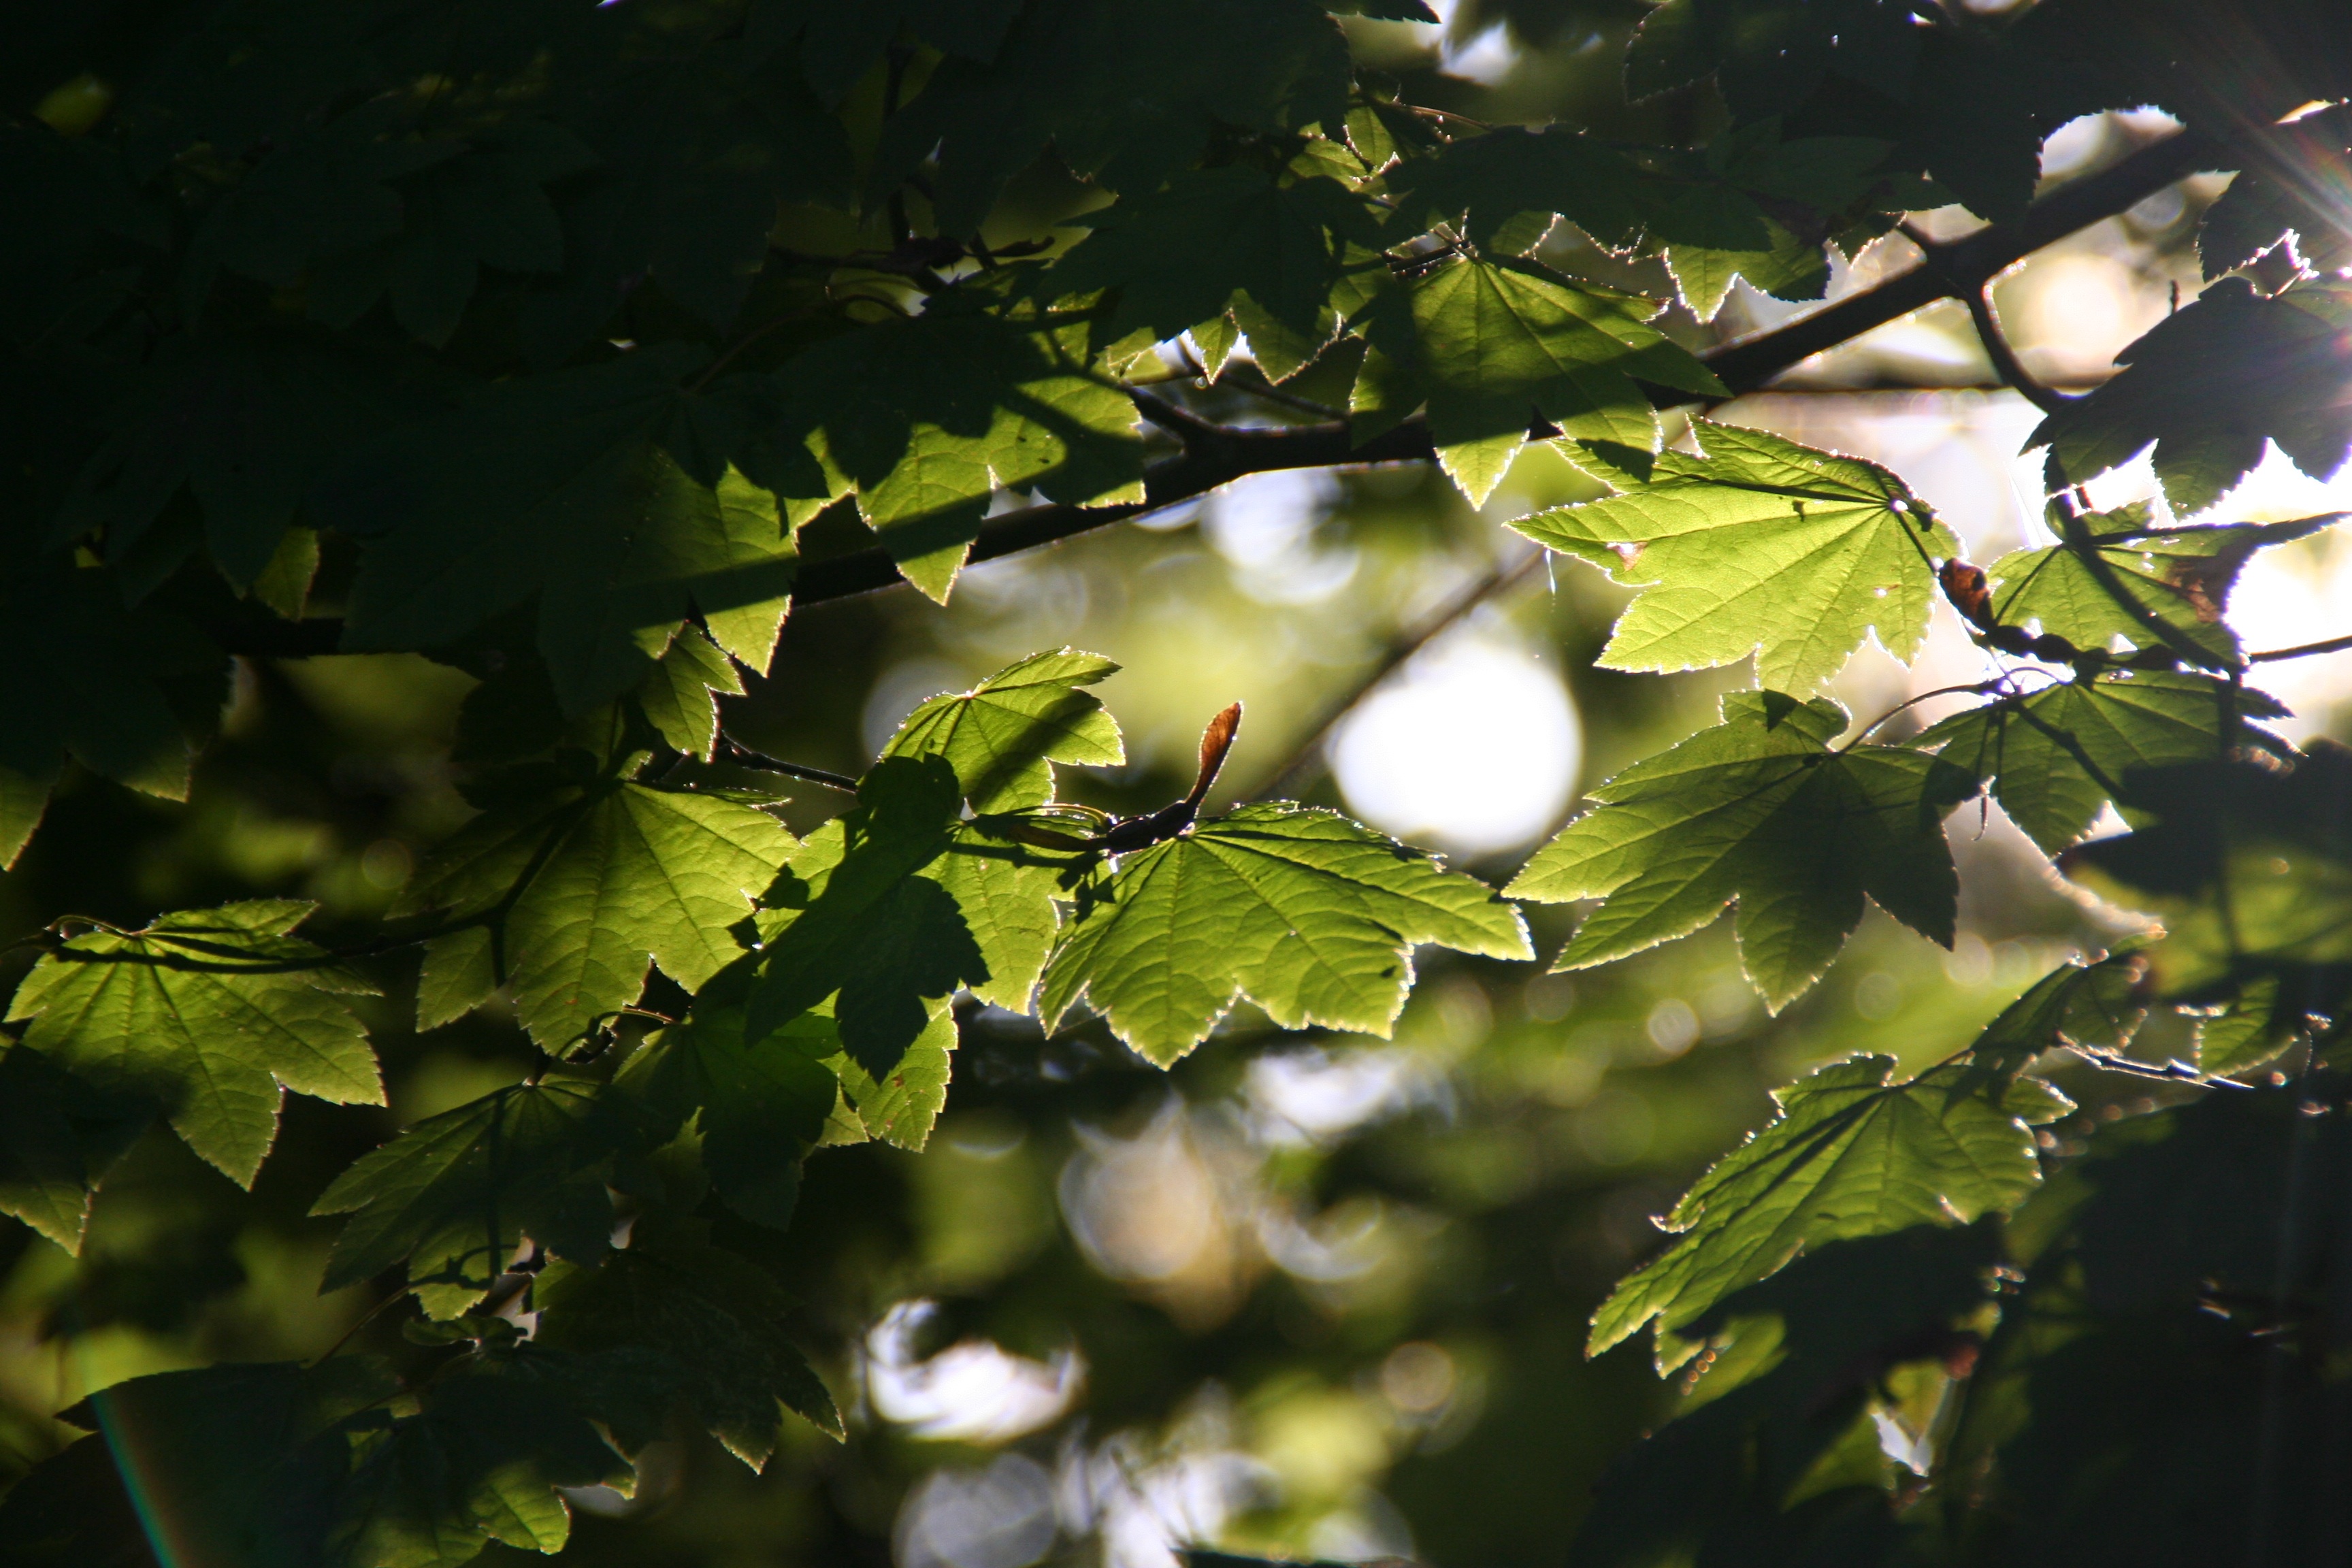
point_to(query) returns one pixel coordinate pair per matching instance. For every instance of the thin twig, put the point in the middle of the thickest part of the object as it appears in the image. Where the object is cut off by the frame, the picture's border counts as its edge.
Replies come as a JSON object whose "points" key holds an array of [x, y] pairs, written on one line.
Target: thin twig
{"points": [[2302, 650], [1307, 759], [734, 750]]}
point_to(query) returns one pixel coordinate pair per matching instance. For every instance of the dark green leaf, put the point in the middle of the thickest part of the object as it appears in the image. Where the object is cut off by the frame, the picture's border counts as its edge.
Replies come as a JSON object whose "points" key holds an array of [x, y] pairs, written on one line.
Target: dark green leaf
{"points": [[1219, 239], [1123, 90], [1856, 1152], [762, 1108], [57, 1136], [2056, 757], [2209, 384], [716, 1316], [925, 419], [82, 677], [479, 1462], [603, 492], [456, 1194]]}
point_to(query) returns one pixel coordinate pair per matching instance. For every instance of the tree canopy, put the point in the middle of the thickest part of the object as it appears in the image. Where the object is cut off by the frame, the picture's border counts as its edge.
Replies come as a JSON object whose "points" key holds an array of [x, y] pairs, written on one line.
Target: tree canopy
{"points": [[508, 1002]]}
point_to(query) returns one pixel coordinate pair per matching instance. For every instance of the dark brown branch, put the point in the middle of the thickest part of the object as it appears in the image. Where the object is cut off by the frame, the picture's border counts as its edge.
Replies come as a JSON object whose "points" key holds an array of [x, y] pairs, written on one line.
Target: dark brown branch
{"points": [[1305, 759], [2302, 650], [2005, 362], [1223, 455]]}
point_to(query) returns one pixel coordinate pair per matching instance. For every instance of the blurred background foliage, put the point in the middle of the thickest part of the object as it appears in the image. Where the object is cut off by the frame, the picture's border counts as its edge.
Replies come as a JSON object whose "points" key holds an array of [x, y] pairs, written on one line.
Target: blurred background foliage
{"points": [[1305, 1294]]}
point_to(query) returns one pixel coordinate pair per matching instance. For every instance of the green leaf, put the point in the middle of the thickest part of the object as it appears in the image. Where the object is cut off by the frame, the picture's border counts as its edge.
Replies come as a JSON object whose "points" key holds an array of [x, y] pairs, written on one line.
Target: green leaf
{"points": [[245, 1460], [1759, 809], [1855, 1152], [1761, 545], [2057, 756], [2256, 1027], [2097, 1005], [2175, 583], [1218, 239], [603, 492], [2249, 866], [699, 145], [1494, 346], [484, 205], [901, 1106], [57, 1137], [679, 698], [479, 1462], [587, 885], [761, 1106], [839, 43], [244, 425], [896, 907], [456, 1194], [1487, 183], [712, 1313], [210, 1014], [81, 676], [1000, 736], [925, 419], [2209, 384], [1125, 91], [1303, 912]]}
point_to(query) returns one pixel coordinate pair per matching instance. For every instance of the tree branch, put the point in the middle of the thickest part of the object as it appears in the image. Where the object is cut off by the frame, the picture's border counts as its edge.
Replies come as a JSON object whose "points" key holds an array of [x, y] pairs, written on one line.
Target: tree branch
{"points": [[1216, 456]]}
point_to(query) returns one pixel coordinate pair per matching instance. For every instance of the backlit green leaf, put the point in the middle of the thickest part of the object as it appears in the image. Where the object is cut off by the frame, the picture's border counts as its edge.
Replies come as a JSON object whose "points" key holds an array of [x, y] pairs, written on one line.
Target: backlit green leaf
{"points": [[1761, 546], [1494, 346], [1303, 912], [1855, 1152], [925, 419], [1758, 810], [587, 885], [210, 1014], [896, 907], [2057, 756], [1000, 736]]}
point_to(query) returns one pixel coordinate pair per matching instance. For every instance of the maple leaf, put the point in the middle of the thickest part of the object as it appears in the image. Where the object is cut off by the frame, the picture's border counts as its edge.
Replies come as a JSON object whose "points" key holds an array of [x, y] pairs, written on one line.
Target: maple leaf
{"points": [[597, 492], [1830, 549], [209, 1014], [714, 1315], [2057, 756], [1854, 1152], [1001, 735], [1758, 810], [455, 1195], [582, 888], [1494, 346], [1304, 912]]}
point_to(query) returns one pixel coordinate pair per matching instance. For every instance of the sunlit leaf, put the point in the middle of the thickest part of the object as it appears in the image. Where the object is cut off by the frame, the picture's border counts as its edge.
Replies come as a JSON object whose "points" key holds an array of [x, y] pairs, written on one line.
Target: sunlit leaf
{"points": [[210, 1014], [1761, 546], [1758, 810], [1303, 912]]}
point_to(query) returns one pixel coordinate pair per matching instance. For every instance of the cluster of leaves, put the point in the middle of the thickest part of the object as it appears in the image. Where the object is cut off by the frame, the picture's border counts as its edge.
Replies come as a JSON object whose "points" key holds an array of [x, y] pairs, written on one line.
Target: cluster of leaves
{"points": [[540, 340]]}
